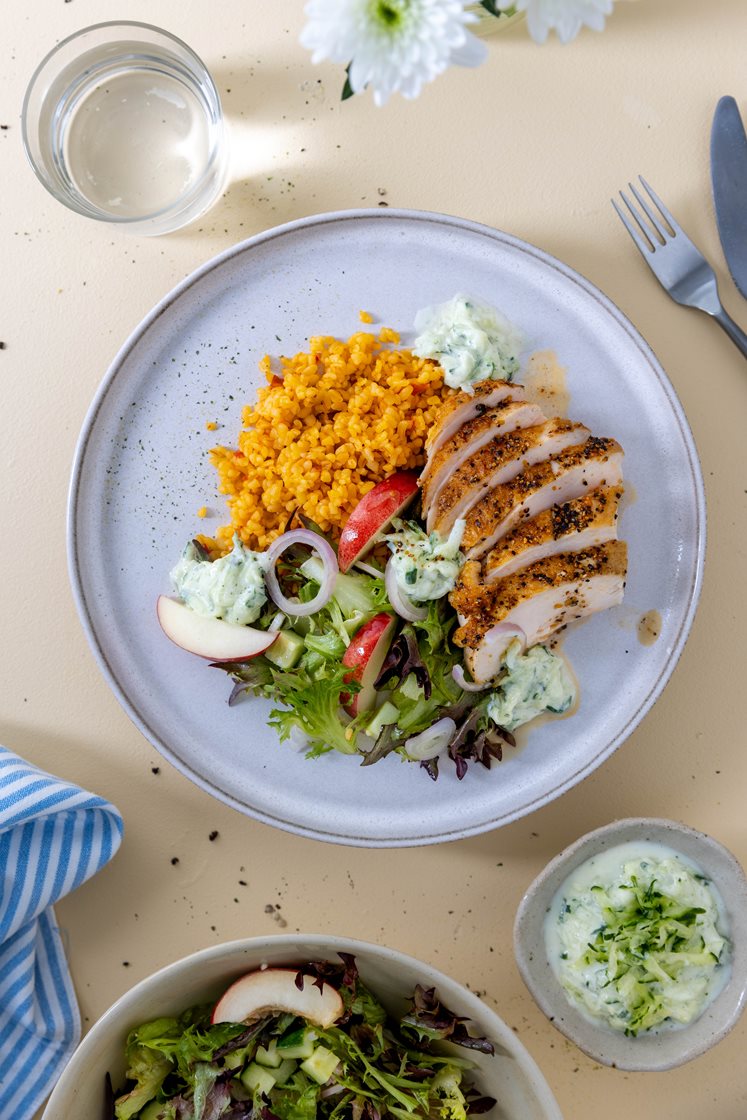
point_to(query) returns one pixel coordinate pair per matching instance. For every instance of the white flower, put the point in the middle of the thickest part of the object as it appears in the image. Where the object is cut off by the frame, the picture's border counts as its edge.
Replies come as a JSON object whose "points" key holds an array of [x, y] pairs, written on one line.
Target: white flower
{"points": [[567, 17], [391, 45]]}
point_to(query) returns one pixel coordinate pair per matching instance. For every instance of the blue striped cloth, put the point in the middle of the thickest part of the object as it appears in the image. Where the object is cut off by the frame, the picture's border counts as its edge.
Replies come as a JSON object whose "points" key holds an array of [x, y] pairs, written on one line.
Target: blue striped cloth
{"points": [[53, 836]]}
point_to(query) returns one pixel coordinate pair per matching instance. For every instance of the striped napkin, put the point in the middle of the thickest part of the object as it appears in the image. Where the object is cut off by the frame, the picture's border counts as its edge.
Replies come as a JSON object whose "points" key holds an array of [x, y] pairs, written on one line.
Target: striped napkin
{"points": [[53, 836]]}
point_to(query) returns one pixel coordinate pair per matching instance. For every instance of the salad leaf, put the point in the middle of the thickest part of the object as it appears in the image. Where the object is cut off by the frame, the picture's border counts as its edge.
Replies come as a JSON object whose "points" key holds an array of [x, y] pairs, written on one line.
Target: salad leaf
{"points": [[298, 1100], [313, 702], [148, 1070], [403, 660], [429, 1019], [445, 1085], [204, 1077]]}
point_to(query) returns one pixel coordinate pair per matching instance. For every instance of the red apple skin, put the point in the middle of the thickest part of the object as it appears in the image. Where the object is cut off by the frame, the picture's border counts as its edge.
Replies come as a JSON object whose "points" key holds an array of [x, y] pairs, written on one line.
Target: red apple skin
{"points": [[372, 515], [365, 656]]}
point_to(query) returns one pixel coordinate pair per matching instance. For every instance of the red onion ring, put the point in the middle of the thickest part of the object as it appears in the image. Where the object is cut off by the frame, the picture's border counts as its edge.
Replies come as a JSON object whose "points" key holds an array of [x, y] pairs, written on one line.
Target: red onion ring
{"points": [[403, 605], [430, 743], [368, 569], [326, 554], [467, 686]]}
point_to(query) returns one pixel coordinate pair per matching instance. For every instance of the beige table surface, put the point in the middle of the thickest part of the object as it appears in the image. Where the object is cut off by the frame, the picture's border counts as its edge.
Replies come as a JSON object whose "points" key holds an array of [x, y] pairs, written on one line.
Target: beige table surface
{"points": [[534, 142]]}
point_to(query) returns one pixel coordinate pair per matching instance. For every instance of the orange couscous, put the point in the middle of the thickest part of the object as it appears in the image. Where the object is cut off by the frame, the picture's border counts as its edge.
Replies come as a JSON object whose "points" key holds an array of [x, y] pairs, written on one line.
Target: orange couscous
{"points": [[340, 418]]}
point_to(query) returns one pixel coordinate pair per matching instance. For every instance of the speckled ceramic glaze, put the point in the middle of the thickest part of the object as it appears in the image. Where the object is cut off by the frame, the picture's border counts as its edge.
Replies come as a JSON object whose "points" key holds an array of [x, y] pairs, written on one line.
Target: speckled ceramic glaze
{"points": [[141, 473], [653, 1050], [510, 1075]]}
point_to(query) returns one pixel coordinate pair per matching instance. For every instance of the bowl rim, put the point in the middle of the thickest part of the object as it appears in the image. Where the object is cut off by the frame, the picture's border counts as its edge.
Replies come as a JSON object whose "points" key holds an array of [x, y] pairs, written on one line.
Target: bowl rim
{"points": [[646, 1052], [326, 944]]}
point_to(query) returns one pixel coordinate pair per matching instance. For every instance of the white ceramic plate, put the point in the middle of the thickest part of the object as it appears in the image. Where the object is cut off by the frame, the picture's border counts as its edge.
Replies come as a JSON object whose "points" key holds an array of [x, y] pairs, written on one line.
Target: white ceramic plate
{"points": [[141, 472]]}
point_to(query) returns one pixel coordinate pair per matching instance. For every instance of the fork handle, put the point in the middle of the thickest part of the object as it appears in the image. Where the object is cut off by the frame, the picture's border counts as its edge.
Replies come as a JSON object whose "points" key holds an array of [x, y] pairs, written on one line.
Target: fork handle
{"points": [[735, 333]]}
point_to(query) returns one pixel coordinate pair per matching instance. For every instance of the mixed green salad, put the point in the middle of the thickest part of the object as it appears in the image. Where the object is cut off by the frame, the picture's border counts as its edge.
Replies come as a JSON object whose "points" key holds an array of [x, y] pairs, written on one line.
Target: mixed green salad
{"points": [[361, 661], [279, 1065]]}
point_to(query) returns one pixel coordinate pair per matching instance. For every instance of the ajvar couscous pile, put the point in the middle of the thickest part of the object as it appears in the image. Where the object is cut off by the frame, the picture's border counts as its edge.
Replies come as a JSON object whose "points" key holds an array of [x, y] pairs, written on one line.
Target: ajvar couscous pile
{"points": [[339, 419]]}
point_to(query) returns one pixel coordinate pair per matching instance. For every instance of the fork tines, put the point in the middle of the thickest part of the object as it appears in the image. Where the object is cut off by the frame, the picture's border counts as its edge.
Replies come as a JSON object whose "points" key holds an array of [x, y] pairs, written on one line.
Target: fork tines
{"points": [[657, 221]]}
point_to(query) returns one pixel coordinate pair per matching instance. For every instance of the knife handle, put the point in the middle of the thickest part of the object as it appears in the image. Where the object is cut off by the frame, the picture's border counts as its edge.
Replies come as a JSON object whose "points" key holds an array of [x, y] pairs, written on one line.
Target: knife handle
{"points": [[735, 333]]}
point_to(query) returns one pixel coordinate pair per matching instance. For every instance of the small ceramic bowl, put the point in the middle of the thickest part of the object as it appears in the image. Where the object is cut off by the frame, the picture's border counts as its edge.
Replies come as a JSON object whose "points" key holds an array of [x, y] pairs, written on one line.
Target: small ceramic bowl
{"points": [[667, 1047], [510, 1075]]}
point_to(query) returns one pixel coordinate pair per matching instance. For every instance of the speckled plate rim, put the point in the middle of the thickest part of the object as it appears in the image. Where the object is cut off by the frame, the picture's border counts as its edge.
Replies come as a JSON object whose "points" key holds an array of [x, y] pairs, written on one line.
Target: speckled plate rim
{"points": [[653, 1052], [554, 265], [326, 945]]}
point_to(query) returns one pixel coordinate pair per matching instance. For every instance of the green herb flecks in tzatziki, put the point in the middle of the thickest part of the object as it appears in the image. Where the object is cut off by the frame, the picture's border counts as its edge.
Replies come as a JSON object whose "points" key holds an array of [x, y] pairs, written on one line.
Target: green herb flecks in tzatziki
{"points": [[535, 682], [470, 340], [425, 565], [637, 937], [231, 588]]}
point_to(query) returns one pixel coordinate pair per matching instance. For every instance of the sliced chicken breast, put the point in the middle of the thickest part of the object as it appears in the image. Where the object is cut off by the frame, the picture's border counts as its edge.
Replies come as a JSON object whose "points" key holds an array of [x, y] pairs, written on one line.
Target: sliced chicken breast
{"points": [[461, 407], [568, 475], [497, 462], [572, 527], [504, 417], [534, 603]]}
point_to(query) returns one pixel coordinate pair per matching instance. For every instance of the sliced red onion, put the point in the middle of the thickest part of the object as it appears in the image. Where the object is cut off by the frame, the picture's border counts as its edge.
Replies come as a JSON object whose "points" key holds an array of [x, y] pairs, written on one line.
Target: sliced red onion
{"points": [[403, 605], [368, 569], [277, 623], [326, 554], [333, 1090], [432, 741], [467, 686]]}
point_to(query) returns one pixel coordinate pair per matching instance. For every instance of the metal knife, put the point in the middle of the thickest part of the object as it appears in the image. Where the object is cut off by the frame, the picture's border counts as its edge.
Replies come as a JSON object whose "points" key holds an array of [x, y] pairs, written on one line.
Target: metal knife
{"points": [[729, 180]]}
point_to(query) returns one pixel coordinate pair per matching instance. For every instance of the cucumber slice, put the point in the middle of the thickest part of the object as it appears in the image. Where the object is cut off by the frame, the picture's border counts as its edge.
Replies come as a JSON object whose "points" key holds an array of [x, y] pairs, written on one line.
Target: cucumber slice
{"points": [[387, 713], [235, 1059], [298, 1044], [286, 650], [321, 1065], [268, 1056], [257, 1079], [285, 1071]]}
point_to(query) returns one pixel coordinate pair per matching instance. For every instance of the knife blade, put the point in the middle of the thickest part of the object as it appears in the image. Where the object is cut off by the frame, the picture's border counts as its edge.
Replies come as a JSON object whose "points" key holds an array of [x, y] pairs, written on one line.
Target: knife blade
{"points": [[729, 182]]}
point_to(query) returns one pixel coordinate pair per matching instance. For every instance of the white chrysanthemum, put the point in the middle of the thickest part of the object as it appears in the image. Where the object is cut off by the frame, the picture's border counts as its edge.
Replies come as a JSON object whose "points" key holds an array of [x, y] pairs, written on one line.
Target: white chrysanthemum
{"points": [[567, 17], [391, 45]]}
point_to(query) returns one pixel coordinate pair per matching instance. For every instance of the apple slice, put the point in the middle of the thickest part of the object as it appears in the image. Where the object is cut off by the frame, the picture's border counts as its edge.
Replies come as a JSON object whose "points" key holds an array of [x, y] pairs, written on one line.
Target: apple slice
{"points": [[365, 656], [210, 637], [373, 513], [274, 989]]}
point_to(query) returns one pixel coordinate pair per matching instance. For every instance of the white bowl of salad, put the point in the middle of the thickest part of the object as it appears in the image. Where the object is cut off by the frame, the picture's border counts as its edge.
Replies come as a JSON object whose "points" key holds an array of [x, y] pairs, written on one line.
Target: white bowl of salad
{"points": [[633, 941], [294, 1026]]}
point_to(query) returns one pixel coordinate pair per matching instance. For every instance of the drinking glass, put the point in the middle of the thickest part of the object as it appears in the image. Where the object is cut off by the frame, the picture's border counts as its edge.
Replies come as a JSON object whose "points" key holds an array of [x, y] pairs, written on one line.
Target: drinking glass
{"points": [[122, 123]]}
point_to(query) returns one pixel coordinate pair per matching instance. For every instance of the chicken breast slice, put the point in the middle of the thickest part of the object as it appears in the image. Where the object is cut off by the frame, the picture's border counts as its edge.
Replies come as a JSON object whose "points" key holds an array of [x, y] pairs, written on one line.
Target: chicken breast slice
{"points": [[504, 417], [494, 464], [534, 603], [560, 479], [572, 527], [460, 407]]}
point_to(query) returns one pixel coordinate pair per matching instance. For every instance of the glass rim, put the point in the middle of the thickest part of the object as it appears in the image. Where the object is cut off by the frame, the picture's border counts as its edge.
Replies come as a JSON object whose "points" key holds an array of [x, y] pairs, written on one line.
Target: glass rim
{"points": [[93, 213]]}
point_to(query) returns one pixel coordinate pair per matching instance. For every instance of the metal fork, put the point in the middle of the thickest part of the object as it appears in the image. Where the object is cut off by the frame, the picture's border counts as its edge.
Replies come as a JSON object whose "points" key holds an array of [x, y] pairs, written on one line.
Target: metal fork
{"points": [[677, 264]]}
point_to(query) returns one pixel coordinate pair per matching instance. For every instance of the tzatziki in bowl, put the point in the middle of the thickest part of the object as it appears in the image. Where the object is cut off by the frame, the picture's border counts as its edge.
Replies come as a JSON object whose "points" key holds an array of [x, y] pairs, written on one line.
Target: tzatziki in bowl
{"points": [[633, 941]]}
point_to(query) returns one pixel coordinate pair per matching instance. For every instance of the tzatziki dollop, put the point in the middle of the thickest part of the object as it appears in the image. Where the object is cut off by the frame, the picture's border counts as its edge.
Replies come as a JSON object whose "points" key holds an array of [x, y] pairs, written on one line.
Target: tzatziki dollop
{"points": [[425, 565], [470, 340], [231, 587], [535, 682], [638, 938]]}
